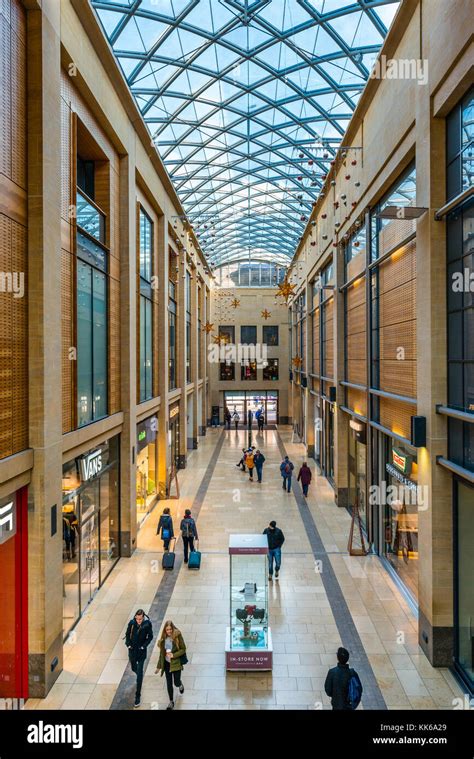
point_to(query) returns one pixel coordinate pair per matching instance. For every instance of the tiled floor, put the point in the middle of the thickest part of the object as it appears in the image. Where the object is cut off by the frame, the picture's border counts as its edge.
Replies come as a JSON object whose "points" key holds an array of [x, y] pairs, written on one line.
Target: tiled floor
{"points": [[307, 625]]}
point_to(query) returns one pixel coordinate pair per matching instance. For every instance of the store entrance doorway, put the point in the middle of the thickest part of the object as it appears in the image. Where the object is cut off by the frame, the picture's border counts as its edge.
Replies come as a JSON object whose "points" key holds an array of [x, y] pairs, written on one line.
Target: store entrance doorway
{"points": [[89, 560], [244, 401]]}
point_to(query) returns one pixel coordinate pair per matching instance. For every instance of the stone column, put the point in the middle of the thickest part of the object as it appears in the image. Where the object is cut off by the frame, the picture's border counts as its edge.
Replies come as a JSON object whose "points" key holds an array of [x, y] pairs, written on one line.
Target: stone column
{"points": [[164, 454], [435, 582], [128, 355], [341, 421], [181, 358], [309, 422], [194, 352], [45, 585]]}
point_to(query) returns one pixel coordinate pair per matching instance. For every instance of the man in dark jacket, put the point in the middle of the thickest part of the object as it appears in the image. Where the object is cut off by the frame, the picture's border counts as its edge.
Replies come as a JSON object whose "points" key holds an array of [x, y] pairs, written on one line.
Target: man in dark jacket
{"points": [[189, 533], [305, 476], [275, 539], [139, 634], [337, 681], [165, 525], [286, 470], [259, 460]]}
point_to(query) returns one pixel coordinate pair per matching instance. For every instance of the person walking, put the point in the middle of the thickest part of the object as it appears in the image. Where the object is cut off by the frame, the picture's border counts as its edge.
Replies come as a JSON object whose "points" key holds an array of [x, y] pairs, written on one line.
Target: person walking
{"points": [[259, 460], [236, 419], [139, 634], [250, 462], [259, 416], [227, 417], [343, 685], [165, 524], [172, 658], [241, 463], [305, 476], [275, 539], [286, 470], [189, 533]]}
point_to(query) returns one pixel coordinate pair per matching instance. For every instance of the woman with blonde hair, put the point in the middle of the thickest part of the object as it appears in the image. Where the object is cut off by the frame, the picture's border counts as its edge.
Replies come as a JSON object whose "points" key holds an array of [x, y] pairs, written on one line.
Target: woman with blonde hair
{"points": [[172, 658]]}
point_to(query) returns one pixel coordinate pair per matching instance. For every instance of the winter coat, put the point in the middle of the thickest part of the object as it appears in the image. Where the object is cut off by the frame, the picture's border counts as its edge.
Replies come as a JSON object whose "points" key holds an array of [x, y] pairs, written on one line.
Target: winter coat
{"points": [[178, 650], [165, 523], [137, 638], [249, 460], [259, 460], [189, 525], [337, 684], [275, 537], [305, 475]]}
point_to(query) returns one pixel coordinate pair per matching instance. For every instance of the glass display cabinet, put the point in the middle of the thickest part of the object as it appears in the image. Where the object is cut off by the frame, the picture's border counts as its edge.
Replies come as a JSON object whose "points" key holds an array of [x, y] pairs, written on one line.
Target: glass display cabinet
{"points": [[248, 638]]}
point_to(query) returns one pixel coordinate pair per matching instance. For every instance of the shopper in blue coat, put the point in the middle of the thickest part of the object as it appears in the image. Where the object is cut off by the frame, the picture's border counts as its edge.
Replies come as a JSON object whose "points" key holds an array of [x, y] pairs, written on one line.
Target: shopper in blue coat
{"points": [[286, 470], [259, 460]]}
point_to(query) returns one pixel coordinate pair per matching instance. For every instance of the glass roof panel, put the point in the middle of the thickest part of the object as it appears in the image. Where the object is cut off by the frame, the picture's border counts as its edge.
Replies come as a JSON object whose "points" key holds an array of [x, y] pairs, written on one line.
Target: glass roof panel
{"points": [[239, 96]]}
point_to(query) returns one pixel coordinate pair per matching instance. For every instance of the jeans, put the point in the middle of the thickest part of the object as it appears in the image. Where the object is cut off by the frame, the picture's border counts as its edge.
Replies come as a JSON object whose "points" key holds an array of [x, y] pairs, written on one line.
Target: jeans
{"points": [[251, 472], [259, 472], [305, 486], [166, 543], [170, 676], [286, 481], [274, 553], [187, 543], [137, 667]]}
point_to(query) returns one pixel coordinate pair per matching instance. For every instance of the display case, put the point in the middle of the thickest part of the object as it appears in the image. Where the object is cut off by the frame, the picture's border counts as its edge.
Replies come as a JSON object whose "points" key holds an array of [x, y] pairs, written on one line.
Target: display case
{"points": [[248, 639]]}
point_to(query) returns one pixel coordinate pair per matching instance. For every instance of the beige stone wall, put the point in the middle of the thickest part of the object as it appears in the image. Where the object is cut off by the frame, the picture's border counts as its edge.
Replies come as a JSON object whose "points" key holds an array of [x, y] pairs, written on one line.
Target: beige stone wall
{"points": [[253, 300]]}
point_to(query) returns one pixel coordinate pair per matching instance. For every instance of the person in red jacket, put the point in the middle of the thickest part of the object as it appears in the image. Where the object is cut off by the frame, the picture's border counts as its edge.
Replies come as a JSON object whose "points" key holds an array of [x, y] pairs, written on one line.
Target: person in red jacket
{"points": [[305, 476]]}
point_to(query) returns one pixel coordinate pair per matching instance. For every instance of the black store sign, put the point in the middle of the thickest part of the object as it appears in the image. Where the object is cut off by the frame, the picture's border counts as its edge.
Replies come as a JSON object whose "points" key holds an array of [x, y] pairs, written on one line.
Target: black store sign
{"points": [[146, 432]]}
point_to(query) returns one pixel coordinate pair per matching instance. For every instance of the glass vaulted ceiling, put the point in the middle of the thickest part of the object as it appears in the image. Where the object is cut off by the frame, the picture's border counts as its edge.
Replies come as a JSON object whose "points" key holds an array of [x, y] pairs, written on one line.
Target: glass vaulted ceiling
{"points": [[247, 102]]}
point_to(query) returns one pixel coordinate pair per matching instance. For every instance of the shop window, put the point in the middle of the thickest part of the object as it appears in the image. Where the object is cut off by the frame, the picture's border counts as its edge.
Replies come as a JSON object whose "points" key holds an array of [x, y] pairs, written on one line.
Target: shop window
{"points": [[459, 147], [248, 370], [172, 345], [248, 335], [270, 372], [388, 233], [270, 334], [86, 176], [226, 371], [146, 348], [227, 333], [464, 572], [91, 344]]}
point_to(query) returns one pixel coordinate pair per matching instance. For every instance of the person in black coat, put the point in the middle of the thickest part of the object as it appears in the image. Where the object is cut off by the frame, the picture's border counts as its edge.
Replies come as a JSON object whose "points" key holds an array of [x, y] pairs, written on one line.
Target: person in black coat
{"points": [[259, 460], [165, 525], [189, 533], [275, 539], [337, 681], [139, 634]]}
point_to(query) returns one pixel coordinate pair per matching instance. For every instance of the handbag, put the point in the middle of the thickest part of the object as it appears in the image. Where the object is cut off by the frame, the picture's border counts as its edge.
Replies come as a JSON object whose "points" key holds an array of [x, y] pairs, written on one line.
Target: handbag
{"points": [[184, 659], [165, 534]]}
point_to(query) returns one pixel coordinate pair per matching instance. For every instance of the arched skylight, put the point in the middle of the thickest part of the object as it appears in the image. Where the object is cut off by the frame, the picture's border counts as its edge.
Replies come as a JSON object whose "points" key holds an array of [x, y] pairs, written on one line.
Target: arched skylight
{"points": [[247, 102]]}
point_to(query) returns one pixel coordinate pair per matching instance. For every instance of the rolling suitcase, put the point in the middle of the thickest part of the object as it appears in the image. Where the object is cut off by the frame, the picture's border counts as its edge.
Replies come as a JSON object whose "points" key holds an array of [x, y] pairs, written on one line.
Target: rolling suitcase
{"points": [[194, 561], [168, 558]]}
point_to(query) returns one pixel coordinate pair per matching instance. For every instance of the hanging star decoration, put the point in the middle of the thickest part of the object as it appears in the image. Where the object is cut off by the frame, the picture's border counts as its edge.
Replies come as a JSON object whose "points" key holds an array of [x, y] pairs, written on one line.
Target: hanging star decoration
{"points": [[266, 314], [297, 361], [285, 289], [218, 339], [235, 303], [208, 327]]}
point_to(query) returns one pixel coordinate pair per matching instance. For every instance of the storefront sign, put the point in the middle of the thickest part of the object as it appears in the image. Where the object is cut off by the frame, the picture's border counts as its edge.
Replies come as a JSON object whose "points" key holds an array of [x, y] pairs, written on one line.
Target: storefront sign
{"points": [[91, 465], [146, 432], [7, 520], [401, 461], [174, 412], [394, 472], [249, 660], [359, 430]]}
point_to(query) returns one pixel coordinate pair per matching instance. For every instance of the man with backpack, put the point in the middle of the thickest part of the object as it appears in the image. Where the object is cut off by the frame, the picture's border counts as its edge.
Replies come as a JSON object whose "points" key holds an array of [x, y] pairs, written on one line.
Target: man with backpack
{"points": [[259, 460], [343, 685], [286, 470], [189, 533], [139, 634]]}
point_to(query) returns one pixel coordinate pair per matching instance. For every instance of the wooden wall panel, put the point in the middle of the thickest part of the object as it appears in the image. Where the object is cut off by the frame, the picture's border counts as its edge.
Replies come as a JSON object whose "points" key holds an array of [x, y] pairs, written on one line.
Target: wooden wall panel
{"points": [[67, 340], [357, 401], [114, 346], [328, 338], [356, 351], [394, 233], [396, 416], [13, 237], [316, 367]]}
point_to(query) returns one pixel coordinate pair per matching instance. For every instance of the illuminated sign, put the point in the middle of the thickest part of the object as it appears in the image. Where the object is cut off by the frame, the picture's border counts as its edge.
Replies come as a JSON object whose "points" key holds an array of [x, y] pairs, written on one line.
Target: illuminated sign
{"points": [[91, 465], [401, 460], [174, 412], [7, 521]]}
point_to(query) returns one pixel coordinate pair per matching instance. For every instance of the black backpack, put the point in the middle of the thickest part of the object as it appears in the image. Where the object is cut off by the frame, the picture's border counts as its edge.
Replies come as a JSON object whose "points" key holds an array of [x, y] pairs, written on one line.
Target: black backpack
{"points": [[188, 531]]}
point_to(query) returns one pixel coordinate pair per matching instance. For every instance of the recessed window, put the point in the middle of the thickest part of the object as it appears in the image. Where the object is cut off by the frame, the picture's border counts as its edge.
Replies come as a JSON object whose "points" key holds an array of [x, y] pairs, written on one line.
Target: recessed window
{"points": [[226, 371], [270, 372], [248, 335], [248, 370], [270, 334]]}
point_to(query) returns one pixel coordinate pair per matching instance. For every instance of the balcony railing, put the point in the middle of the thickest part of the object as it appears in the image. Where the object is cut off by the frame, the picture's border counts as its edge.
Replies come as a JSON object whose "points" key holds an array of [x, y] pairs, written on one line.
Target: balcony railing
{"points": [[89, 217]]}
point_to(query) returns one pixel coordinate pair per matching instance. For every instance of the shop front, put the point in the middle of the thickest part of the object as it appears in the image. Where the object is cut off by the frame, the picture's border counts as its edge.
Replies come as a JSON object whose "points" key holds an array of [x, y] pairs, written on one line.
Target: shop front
{"points": [[464, 586], [13, 598], [328, 424], [399, 501], [91, 526], [147, 467], [177, 461], [357, 468]]}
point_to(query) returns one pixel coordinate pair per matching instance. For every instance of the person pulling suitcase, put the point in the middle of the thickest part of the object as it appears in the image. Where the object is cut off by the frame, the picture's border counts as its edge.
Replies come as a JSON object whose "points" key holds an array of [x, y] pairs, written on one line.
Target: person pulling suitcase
{"points": [[189, 533], [169, 557]]}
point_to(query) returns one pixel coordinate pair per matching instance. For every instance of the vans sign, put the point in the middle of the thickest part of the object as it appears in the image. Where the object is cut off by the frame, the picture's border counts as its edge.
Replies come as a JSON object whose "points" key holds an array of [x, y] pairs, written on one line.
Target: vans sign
{"points": [[91, 465]]}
